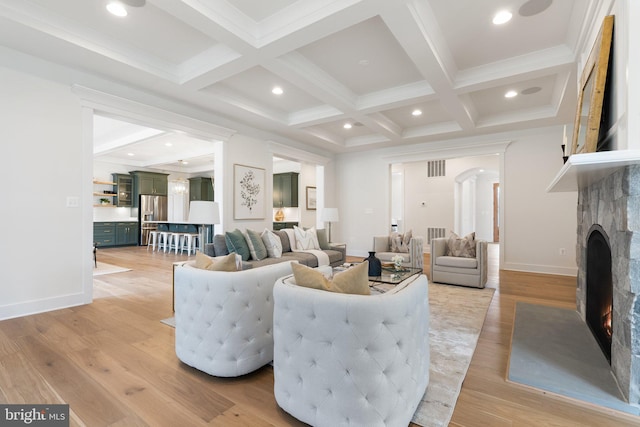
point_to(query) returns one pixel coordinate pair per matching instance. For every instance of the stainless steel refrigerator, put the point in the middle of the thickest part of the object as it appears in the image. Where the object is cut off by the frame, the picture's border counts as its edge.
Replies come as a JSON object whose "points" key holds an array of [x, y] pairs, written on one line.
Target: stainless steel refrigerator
{"points": [[150, 210]]}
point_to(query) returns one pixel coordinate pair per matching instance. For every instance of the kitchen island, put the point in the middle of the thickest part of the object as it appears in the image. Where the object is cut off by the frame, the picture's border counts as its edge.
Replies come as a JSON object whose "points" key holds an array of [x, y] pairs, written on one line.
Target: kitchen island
{"points": [[173, 227]]}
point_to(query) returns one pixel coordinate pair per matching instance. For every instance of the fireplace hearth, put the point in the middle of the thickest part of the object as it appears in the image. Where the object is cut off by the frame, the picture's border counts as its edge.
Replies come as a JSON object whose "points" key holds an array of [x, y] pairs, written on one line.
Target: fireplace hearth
{"points": [[608, 257]]}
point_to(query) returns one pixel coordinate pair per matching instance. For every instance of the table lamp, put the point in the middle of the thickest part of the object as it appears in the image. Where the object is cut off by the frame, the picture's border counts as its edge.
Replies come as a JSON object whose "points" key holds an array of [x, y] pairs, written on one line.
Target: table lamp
{"points": [[204, 213], [330, 215]]}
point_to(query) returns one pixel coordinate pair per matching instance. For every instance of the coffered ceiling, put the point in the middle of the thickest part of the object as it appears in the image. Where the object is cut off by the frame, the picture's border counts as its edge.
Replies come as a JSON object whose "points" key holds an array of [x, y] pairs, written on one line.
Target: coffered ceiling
{"points": [[368, 63]]}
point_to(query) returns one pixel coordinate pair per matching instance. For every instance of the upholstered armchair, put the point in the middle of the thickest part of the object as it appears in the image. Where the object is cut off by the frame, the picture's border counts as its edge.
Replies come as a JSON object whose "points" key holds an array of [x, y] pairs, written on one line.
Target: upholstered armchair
{"points": [[224, 320], [359, 360], [458, 270], [414, 258]]}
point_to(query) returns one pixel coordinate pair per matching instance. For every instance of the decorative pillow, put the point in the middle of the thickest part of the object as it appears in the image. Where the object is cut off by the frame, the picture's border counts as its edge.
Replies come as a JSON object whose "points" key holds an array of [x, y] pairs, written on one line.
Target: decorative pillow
{"points": [[237, 243], [284, 239], [306, 239], [256, 246], [291, 236], [272, 243], [354, 280], [400, 242], [323, 241], [406, 240], [223, 263], [220, 245], [462, 247]]}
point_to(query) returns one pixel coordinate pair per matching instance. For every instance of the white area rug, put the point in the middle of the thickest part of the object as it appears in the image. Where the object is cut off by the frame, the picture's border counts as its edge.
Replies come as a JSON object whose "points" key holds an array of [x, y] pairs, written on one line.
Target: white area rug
{"points": [[457, 316], [104, 268]]}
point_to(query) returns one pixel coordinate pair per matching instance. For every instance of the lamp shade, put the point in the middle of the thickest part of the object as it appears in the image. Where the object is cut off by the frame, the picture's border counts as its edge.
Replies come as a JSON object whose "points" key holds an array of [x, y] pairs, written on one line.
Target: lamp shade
{"points": [[204, 212], [330, 215]]}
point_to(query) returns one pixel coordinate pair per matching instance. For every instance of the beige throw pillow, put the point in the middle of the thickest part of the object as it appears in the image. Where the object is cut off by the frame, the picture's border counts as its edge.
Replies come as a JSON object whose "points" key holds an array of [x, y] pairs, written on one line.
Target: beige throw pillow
{"points": [[223, 263], [400, 242], [462, 247], [354, 280]]}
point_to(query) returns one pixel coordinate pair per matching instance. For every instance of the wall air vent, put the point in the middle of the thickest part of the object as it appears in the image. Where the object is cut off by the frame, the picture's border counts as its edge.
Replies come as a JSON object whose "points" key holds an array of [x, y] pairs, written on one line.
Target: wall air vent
{"points": [[435, 168]]}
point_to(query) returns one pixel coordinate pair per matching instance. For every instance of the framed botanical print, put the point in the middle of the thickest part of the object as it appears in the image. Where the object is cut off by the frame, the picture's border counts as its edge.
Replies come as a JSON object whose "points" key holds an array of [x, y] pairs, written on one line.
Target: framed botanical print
{"points": [[248, 192]]}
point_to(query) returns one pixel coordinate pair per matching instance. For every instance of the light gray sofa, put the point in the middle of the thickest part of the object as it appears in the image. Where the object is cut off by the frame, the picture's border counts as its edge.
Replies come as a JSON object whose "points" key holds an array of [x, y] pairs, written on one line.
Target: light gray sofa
{"points": [[458, 270], [337, 254]]}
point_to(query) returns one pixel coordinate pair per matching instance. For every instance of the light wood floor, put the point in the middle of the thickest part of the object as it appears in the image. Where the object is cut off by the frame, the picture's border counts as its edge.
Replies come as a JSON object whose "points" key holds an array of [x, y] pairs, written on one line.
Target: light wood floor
{"points": [[114, 363]]}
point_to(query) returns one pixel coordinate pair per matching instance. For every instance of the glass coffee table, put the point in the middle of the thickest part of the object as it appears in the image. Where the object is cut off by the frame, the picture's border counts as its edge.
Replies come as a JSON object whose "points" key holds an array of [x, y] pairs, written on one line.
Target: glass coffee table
{"points": [[393, 277]]}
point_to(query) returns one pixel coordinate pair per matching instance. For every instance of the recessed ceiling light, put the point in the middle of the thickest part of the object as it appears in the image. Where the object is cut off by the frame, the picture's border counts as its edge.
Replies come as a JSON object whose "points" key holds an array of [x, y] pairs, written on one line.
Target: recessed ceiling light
{"points": [[168, 144], [416, 112], [184, 162], [130, 154], [511, 94], [347, 126], [502, 17], [277, 90], [116, 8]]}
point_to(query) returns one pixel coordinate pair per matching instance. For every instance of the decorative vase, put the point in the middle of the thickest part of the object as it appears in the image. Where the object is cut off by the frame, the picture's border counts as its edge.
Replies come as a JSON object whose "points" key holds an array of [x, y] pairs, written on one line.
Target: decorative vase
{"points": [[375, 266], [279, 215]]}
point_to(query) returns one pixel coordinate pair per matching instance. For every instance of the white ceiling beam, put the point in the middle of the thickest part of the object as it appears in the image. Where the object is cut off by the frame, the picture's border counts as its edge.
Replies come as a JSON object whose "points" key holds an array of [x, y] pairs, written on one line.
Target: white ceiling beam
{"points": [[424, 44]]}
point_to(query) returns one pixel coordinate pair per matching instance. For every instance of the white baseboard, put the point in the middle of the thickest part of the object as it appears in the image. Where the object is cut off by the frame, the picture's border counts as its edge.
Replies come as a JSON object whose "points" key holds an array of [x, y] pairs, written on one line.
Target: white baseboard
{"points": [[40, 306], [544, 269]]}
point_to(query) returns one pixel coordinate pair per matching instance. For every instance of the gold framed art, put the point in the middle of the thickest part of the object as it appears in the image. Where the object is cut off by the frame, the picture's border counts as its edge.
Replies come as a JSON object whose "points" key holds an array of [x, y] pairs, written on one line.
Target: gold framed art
{"points": [[591, 92]]}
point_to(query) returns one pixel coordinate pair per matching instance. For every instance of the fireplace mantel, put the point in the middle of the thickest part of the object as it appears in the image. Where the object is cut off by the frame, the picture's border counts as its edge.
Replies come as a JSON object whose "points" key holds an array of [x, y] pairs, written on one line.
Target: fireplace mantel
{"points": [[582, 170]]}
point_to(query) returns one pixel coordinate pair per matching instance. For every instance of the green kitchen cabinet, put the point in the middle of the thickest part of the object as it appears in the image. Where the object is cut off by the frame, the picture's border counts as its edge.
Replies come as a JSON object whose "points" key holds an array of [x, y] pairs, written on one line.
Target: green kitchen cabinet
{"points": [[200, 188], [126, 233], [153, 183], [124, 190], [104, 234], [285, 190]]}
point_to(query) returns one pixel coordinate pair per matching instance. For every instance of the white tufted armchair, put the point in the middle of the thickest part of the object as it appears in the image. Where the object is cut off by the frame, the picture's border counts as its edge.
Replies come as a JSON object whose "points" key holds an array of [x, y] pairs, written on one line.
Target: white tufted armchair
{"points": [[351, 359], [224, 320]]}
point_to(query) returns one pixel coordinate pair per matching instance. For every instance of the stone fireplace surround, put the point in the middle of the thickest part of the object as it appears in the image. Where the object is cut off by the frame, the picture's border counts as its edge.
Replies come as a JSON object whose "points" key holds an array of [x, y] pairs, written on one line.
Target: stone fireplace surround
{"points": [[613, 203]]}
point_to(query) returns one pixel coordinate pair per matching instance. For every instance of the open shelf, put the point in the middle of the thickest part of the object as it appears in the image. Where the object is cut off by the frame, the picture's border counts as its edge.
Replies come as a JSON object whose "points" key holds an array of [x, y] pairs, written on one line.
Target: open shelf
{"points": [[582, 170]]}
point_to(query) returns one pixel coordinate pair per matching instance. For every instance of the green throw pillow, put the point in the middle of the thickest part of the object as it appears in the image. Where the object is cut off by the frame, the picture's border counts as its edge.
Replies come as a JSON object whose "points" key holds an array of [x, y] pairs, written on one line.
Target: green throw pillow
{"points": [[237, 243], [256, 245]]}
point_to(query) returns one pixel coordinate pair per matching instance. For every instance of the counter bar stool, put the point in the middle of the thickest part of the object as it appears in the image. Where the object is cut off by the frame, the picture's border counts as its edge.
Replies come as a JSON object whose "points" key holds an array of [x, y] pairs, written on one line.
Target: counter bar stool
{"points": [[164, 242], [175, 241], [153, 240], [189, 243]]}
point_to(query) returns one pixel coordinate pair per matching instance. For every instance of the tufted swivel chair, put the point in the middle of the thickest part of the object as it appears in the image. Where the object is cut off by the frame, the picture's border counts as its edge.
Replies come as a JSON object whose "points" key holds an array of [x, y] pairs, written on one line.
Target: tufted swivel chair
{"points": [[224, 320], [356, 360]]}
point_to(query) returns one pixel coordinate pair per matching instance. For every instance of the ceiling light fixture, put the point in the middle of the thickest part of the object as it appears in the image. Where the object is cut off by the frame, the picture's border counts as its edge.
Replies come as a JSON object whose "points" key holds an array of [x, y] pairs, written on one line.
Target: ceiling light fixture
{"points": [[130, 154], [168, 144], [511, 94], [502, 17], [417, 112], [277, 90], [116, 8], [347, 126]]}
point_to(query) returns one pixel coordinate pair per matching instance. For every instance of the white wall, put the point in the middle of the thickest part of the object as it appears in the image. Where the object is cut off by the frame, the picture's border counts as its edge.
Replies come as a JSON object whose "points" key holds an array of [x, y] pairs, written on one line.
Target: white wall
{"points": [[439, 195], [247, 151], [536, 224], [306, 179], [45, 253]]}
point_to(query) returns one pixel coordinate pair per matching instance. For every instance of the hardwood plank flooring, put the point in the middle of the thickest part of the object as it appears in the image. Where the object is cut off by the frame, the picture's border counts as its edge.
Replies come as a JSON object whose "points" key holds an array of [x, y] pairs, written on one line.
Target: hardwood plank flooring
{"points": [[113, 361]]}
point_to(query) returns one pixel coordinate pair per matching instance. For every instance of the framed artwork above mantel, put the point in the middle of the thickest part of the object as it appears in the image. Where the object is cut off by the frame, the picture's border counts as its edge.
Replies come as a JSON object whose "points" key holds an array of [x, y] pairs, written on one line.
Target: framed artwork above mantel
{"points": [[586, 126]]}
